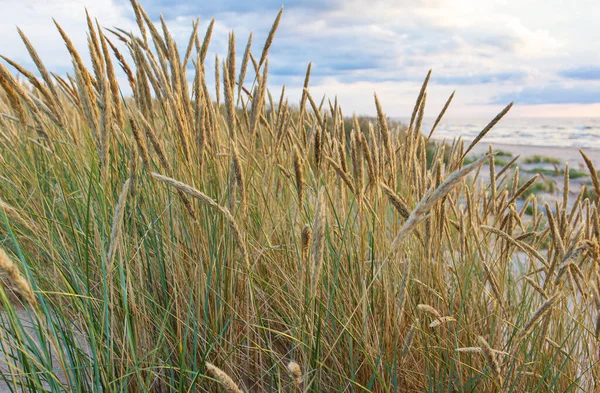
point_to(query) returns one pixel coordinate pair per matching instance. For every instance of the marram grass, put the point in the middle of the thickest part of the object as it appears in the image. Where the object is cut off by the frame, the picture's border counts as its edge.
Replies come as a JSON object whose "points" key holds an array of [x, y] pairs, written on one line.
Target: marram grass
{"points": [[167, 241]]}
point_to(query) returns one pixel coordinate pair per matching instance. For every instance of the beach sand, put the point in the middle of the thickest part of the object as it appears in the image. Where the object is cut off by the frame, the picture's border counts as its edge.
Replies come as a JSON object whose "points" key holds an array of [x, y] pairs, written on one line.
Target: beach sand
{"points": [[564, 154]]}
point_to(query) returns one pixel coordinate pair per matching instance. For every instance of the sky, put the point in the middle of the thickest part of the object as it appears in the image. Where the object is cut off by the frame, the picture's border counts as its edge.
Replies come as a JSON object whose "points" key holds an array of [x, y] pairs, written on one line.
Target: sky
{"points": [[542, 54]]}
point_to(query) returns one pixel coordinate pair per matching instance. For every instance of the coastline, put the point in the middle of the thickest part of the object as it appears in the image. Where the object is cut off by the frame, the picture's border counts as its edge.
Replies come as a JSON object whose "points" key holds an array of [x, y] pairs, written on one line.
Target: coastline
{"points": [[550, 189], [564, 154]]}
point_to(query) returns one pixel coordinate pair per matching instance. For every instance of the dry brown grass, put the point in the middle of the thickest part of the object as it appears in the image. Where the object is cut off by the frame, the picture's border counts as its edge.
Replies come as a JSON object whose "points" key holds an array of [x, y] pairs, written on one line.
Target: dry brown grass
{"points": [[171, 229]]}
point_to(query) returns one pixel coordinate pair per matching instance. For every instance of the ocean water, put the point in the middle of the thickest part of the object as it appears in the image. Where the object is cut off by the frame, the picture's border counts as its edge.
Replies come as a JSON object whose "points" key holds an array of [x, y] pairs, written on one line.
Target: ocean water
{"points": [[559, 132]]}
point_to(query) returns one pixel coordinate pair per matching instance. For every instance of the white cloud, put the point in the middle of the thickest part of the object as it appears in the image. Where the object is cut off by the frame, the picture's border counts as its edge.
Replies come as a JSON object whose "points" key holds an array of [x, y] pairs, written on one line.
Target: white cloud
{"points": [[484, 49], [35, 19]]}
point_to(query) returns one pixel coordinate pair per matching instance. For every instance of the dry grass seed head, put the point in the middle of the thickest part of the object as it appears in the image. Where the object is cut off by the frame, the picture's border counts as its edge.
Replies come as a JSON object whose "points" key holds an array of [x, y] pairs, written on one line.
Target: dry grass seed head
{"points": [[299, 172], [490, 358], [441, 321], [396, 201], [426, 308], [20, 283], [540, 312], [295, 372], [228, 384], [318, 237]]}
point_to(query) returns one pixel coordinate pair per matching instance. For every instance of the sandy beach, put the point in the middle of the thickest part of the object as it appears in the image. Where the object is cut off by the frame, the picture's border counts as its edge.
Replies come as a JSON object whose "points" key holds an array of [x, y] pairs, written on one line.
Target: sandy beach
{"points": [[563, 154], [550, 172]]}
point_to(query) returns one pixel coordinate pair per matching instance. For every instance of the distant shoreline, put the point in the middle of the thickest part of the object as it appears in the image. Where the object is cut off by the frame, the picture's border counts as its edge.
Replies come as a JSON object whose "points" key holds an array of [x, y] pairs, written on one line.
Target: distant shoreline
{"points": [[568, 154]]}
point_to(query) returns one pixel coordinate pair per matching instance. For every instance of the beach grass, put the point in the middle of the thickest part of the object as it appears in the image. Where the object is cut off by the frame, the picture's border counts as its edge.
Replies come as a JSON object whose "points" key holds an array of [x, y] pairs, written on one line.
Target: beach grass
{"points": [[539, 159], [176, 241], [573, 173]]}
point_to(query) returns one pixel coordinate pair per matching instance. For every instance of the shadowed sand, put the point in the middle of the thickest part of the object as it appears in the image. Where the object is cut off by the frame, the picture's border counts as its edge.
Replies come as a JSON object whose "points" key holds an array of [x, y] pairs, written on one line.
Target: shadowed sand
{"points": [[9, 373]]}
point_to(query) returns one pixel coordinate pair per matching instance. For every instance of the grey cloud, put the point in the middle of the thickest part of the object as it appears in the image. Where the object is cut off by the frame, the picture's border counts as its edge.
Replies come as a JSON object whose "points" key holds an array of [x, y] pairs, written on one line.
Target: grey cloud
{"points": [[476, 79], [582, 73]]}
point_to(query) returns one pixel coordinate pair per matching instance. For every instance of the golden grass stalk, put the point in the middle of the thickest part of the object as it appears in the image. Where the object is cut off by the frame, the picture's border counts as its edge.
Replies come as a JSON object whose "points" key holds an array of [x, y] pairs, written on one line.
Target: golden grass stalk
{"points": [[190, 46], [318, 146], [522, 189], [94, 48], [49, 99], [408, 339], [396, 201], [203, 50], [426, 308], [123, 64], [507, 167], [270, 37], [114, 86], [105, 125], [20, 283], [244, 65], [133, 172], [431, 198], [304, 93], [343, 175], [419, 102], [299, 172], [205, 199], [14, 88], [217, 80], [14, 99], [537, 287], [305, 242], [593, 174], [317, 245], [383, 129], [369, 159], [139, 20], [487, 128], [357, 163], [156, 144], [141, 143], [229, 103], [14, 214], [315, 108], [39, 64], [228, 384], [493, 283], [490, 358], [441, 115], [556, 346], [556, 237], [519, 244], [341, 152], [238, 174], [420, 115], [442, 320], [540, 312], [258, 100], [81, 70], [479, 350], [231, 62], [469, 350], [117, 224]]}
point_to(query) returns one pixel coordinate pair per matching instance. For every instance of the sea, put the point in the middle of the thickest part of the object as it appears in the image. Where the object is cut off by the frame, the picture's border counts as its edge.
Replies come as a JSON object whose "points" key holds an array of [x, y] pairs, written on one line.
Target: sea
{"points": [[555, 132]]}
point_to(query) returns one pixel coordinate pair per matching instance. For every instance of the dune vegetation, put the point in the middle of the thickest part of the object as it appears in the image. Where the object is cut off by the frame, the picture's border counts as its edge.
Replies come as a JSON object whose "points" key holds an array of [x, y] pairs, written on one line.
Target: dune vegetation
{"points": [[171, 241]]}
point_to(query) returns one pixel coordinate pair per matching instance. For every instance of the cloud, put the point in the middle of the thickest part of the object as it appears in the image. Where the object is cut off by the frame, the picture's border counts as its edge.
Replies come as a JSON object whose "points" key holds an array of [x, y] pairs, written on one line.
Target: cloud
{"points": [[493, 51], [553, 95], [582, 73], [35, 19], [476, 79]]}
